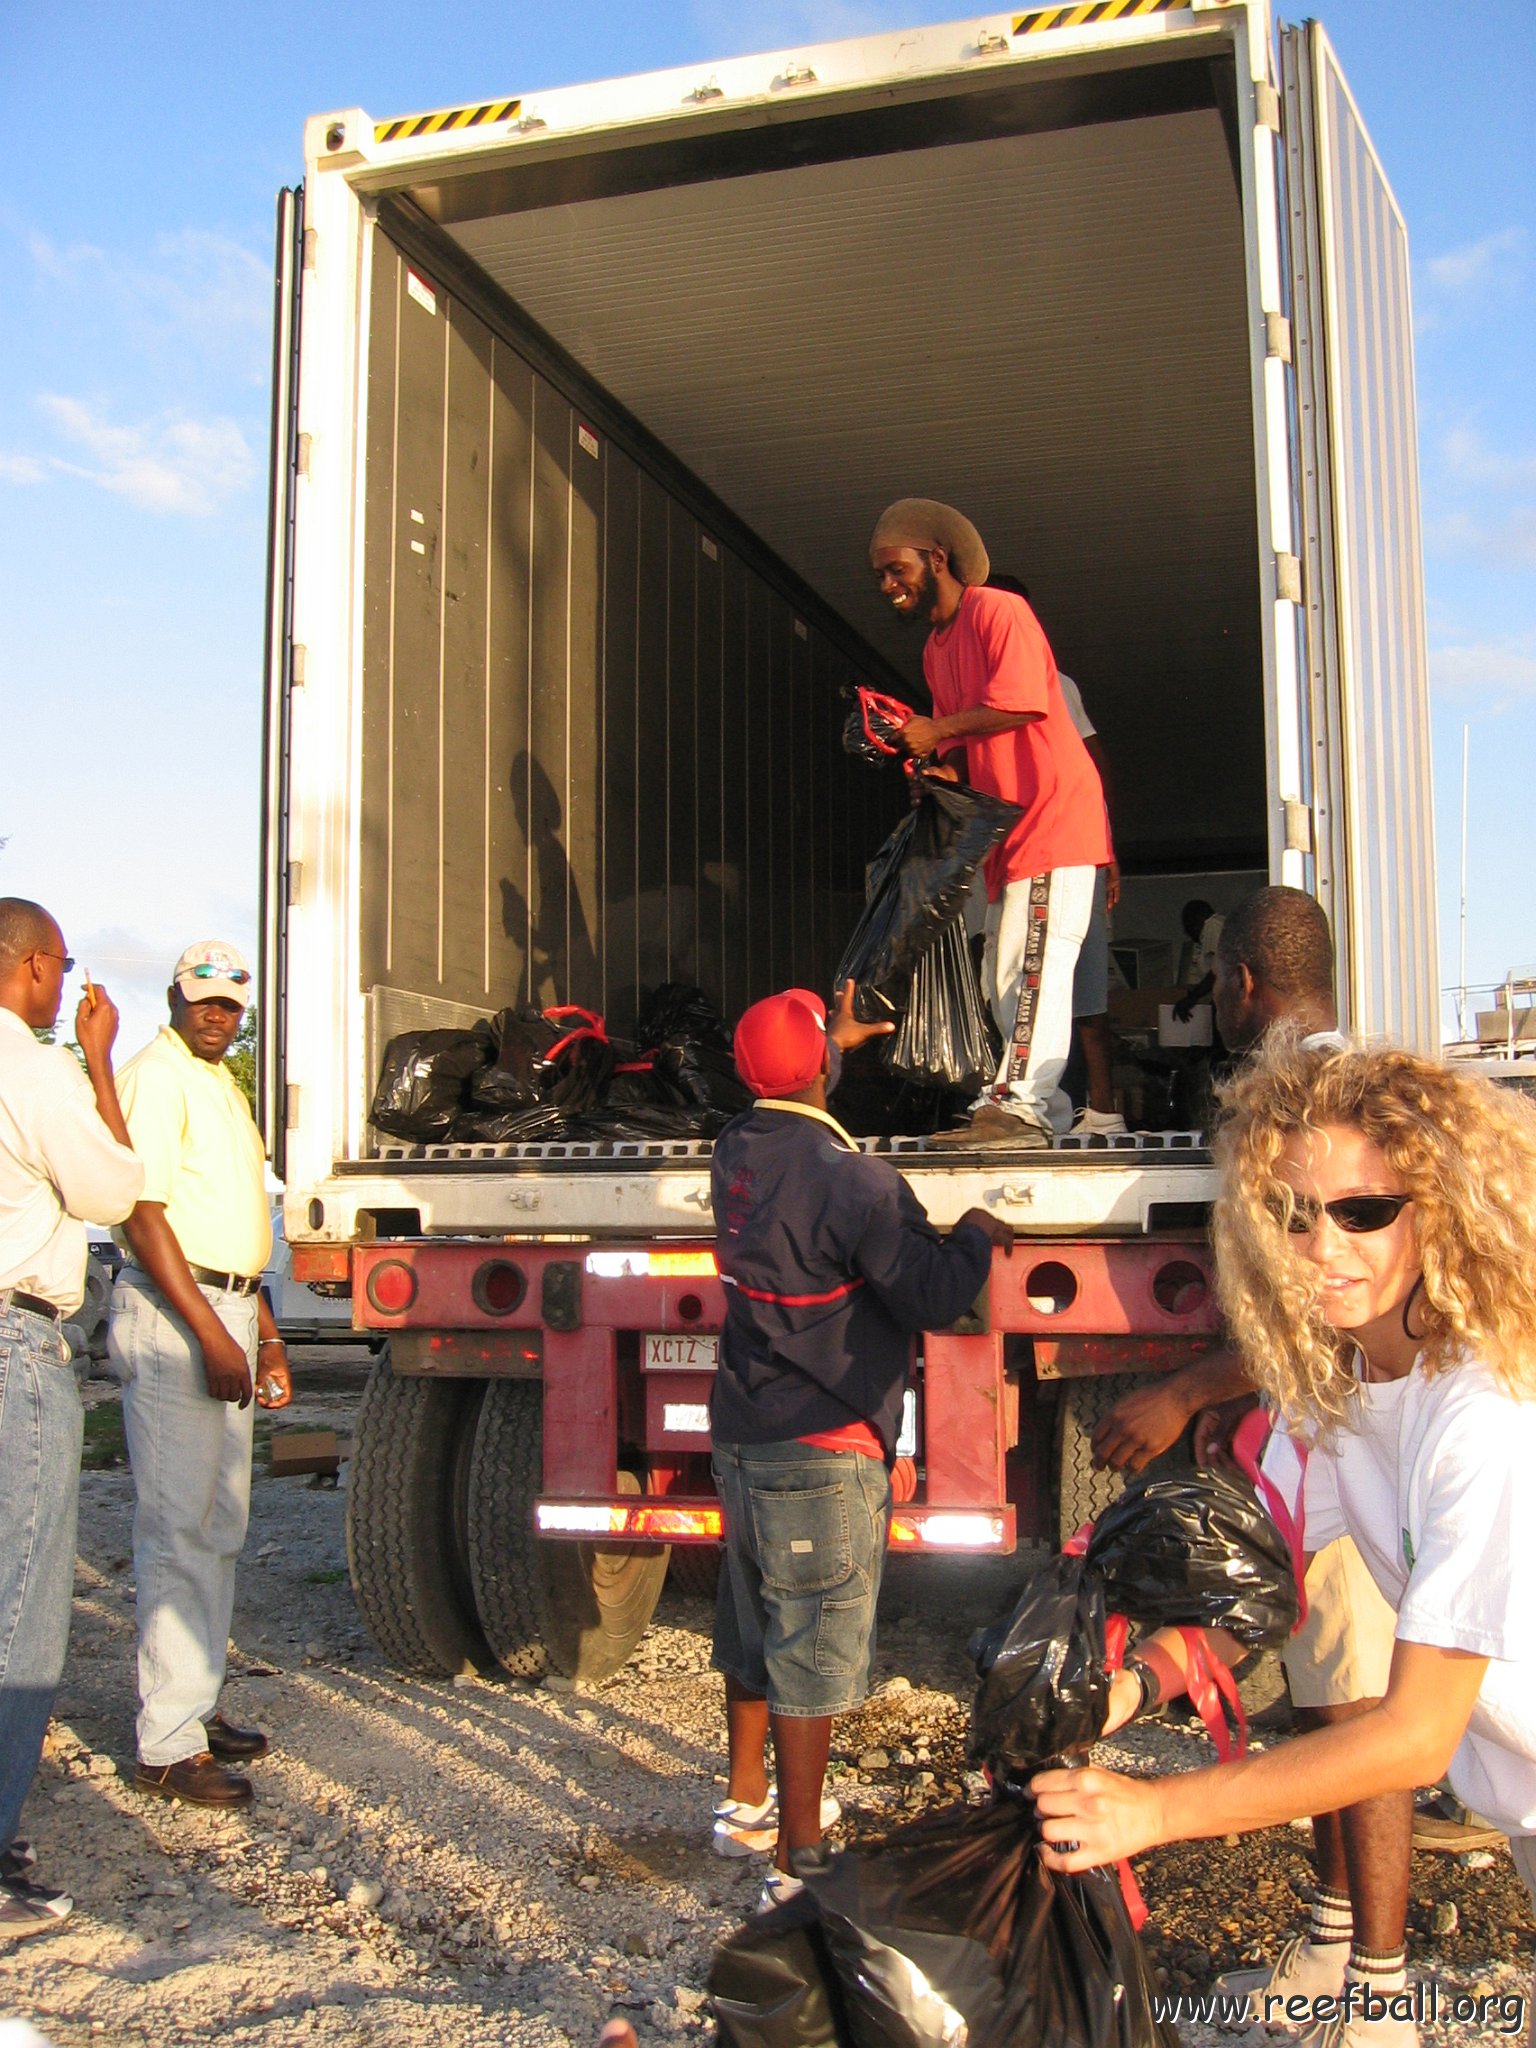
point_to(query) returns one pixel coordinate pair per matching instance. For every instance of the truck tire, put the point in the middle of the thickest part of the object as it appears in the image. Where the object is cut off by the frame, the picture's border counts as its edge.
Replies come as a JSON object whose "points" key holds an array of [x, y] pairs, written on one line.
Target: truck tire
{"points": [[1082, 1490], [407, 1501], [576, 1608]]}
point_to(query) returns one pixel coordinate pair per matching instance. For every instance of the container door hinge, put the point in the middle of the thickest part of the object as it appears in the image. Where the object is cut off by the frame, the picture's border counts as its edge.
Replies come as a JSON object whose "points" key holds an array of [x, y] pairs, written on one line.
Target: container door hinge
{"points": [[1266, 106], [1288, 578], [311, 244], [296, 666], [1298, 826], [302, 454], [295, 880], [1277, 336], [291, 1106]]}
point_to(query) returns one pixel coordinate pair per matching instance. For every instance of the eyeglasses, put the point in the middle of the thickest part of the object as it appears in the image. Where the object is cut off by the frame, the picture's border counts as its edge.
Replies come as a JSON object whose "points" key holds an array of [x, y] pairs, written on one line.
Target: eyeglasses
{"points": [[1358, 1215], [65, 960], [209, 970]]}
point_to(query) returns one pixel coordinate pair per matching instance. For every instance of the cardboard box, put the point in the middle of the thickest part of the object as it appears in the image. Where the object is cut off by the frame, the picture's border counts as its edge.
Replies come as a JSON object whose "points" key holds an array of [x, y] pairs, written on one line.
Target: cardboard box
{"points": [[1196, 1032], [304, 1450], [1138, 1009]]}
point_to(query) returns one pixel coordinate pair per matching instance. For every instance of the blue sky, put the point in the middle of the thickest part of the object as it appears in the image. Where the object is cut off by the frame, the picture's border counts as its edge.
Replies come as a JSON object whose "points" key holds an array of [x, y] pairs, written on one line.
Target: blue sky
{"points": [[144, 149]]}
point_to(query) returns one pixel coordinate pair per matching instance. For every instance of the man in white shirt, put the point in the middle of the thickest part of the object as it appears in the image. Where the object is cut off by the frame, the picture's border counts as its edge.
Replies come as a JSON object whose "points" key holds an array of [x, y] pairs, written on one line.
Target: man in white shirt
{"points": [[189, 1325], [64, 1157]]}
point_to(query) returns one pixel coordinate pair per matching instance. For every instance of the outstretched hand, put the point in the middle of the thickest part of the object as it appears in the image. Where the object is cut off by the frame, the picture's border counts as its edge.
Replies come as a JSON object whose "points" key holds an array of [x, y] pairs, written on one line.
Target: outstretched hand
{"points": [[845, 1030]]}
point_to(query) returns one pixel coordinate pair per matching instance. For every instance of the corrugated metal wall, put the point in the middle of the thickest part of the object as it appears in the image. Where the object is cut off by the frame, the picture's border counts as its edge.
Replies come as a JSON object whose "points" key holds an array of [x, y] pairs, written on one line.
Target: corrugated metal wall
{"points": [[600, 746], [1353, 283]]}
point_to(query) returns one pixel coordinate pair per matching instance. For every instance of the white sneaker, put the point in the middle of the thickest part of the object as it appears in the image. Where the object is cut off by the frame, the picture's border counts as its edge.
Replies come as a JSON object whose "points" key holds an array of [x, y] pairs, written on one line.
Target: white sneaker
{"points": [[1355, 2032], [742, 1830], [1303, 1969], [1098, 1123], [778, 1886]]}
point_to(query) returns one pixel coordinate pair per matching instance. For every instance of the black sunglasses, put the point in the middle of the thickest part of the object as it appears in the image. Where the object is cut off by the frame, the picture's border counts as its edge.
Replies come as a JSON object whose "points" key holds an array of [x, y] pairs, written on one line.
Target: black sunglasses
{"points": [[65, 960], [1359, 1215]]}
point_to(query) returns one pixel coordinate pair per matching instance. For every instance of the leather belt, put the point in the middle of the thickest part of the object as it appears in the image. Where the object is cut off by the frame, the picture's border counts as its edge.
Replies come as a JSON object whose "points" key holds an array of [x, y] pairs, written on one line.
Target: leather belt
{"points": [[30, 1304], [232, 1283]]}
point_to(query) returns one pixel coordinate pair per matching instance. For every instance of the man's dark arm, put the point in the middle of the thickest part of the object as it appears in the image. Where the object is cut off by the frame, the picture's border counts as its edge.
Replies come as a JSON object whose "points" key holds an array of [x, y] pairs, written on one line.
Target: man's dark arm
{"points": [[158, 1251], [926, 1281]]}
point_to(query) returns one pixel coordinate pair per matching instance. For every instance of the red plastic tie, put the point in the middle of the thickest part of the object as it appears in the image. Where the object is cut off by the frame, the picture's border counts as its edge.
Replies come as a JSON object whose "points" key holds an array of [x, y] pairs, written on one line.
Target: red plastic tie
{"points": [[1213, 1694]]}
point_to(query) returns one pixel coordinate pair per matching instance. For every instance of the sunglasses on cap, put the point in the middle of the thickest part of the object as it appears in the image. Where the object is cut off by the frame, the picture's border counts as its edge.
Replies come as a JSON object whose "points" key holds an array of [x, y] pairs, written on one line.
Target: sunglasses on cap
{"points": [[1358, 1215], [208, 970]]}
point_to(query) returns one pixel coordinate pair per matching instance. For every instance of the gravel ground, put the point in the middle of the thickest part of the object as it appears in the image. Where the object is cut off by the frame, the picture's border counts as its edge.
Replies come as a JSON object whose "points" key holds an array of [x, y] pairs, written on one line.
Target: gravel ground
{"points": [[463, 1863]]}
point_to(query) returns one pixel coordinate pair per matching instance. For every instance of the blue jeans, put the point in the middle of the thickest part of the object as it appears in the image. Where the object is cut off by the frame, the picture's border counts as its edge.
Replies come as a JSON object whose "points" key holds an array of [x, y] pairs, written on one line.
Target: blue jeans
{"points": [[41, 1428], [805, 1532], [191, 1459]]}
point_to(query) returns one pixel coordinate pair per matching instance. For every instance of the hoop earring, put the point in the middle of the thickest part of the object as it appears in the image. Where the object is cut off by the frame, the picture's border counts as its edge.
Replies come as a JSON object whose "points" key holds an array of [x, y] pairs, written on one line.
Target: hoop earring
{"points": [[1413, 1293]]}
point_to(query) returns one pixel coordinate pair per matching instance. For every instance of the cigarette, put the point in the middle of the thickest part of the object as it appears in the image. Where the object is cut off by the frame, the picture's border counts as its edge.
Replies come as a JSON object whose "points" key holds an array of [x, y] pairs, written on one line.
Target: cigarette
{"points": [[90, 993]]}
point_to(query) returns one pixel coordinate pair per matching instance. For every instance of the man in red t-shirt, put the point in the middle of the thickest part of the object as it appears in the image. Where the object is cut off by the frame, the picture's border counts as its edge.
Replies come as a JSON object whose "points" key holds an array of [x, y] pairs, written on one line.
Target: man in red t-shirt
{"points": [[992, 678]]}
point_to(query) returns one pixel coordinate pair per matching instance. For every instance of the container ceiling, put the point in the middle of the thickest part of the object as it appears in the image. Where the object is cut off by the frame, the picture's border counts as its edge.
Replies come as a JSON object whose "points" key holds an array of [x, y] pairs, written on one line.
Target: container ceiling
{"points": [[1047, 329]]}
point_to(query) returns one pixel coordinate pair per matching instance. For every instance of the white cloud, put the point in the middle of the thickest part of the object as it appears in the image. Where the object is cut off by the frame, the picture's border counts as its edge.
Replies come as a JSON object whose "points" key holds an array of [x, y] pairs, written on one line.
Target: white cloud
{"points": [[1495, 262], [1499, 672], [171, 463], [191, 294], [1505, 538], [21, 469], [1469, 459]]}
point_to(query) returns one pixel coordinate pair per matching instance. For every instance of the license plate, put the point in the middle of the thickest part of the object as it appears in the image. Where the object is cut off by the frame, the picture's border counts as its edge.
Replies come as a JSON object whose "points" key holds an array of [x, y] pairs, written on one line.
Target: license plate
{"points": [[676, 1352]]}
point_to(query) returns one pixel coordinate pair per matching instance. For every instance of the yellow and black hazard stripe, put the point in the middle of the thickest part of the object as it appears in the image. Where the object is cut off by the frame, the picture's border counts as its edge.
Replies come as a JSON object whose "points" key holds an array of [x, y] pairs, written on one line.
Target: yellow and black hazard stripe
{"points": [[1078, 13], [409, 126]]}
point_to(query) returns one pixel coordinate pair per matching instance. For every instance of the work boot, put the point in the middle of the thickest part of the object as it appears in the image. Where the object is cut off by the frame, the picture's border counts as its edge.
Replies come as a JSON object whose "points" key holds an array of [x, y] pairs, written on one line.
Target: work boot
{"points": [[232, 1745], [1444, 1824], [992, 1129], [199, 1780], [1305, 1969]]}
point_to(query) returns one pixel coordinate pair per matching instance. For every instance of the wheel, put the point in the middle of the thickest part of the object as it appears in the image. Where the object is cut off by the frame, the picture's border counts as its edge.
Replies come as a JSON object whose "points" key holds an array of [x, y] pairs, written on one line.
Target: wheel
{"points": [[407, 1501], [1082, 1490], [695, 1569], [578, 1608]]}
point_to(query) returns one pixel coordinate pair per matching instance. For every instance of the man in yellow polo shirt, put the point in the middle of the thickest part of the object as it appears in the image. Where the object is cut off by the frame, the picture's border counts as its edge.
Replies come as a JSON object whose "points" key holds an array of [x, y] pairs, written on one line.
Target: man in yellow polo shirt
{"points": [[189, 1325]]}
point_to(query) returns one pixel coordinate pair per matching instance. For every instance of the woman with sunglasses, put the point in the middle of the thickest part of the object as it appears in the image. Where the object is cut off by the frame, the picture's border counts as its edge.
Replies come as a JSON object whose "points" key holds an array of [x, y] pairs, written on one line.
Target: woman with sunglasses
{"points": [[1375, 1239]]}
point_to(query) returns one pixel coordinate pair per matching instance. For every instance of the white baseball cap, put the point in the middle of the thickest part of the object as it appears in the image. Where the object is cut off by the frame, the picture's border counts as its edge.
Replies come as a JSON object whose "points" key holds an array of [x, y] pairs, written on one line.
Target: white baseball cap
{"points": [[214, 968]]}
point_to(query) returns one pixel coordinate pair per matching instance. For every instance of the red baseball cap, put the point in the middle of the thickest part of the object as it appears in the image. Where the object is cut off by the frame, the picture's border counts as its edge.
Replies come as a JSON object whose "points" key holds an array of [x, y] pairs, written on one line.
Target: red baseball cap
{"points": [[781, 1042]]}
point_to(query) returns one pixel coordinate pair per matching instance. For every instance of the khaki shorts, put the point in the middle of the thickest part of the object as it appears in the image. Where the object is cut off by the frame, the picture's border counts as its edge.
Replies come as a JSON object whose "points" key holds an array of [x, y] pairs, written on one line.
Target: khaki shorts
{"points": [[1343, 1650]]}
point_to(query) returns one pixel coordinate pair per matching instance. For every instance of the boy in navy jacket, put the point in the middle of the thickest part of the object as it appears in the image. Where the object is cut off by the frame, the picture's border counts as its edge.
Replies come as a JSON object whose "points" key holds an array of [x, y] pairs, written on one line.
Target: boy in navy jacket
{"points": [[831, 1267]]}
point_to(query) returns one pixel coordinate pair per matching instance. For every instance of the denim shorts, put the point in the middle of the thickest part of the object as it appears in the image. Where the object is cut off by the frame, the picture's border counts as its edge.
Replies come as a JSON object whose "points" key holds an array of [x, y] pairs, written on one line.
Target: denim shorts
{"points": [[805, 1534]]}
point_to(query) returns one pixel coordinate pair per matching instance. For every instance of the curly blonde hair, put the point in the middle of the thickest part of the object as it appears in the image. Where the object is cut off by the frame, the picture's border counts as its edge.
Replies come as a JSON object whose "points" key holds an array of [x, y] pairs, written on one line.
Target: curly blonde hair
{"points": [[1462, 1147]]}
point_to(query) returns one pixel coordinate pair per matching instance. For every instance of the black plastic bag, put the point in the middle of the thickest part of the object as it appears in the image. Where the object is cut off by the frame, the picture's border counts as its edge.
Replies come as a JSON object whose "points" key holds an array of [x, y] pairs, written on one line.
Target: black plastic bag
{"points": [[680, 1009], [540, 1124], [560, 1056], [771, 1985], [694, 1073], [872, 729], [1044, 1688], [424, 1082], [946, 1038], [1196, 1549], [954, 1935], [917, 886]]}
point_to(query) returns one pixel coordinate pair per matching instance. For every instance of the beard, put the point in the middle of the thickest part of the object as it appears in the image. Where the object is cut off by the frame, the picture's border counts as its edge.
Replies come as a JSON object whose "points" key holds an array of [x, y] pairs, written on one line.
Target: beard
{"points": [[921, 613]]}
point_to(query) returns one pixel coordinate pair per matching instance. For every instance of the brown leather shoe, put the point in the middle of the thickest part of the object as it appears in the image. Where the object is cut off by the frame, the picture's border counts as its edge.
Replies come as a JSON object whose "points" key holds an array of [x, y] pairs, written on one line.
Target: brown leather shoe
{"points": [[232, 1745], [199, 1780], [993, 1129]]}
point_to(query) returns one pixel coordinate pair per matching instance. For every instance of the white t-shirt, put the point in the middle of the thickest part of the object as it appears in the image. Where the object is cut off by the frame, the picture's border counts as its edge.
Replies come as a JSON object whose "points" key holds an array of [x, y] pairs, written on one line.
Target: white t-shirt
{"points": [[1076, 710], [1435, 1479]]}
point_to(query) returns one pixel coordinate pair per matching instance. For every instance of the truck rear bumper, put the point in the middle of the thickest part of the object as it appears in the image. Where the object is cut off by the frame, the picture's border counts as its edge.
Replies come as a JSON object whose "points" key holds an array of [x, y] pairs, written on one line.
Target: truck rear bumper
{"points": [[678, 1519]]}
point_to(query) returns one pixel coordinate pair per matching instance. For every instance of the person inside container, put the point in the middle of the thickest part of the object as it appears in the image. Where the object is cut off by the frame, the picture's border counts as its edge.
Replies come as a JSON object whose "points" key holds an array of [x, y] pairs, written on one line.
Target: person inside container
{"points": [[1376, 1244], [830, 1267], [1098, 1118], [1202, 929], [999, 705]]}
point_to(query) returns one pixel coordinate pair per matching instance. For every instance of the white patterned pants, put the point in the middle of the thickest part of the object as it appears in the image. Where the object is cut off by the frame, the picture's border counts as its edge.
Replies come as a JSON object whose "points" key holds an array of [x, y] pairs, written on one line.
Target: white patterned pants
{"points": [[1034, 933]]}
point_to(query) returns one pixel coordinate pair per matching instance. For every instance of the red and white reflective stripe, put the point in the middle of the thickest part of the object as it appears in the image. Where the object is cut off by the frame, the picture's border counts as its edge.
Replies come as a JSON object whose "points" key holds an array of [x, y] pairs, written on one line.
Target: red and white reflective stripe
{"points": [[661, 1521], [794, 1300]]}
